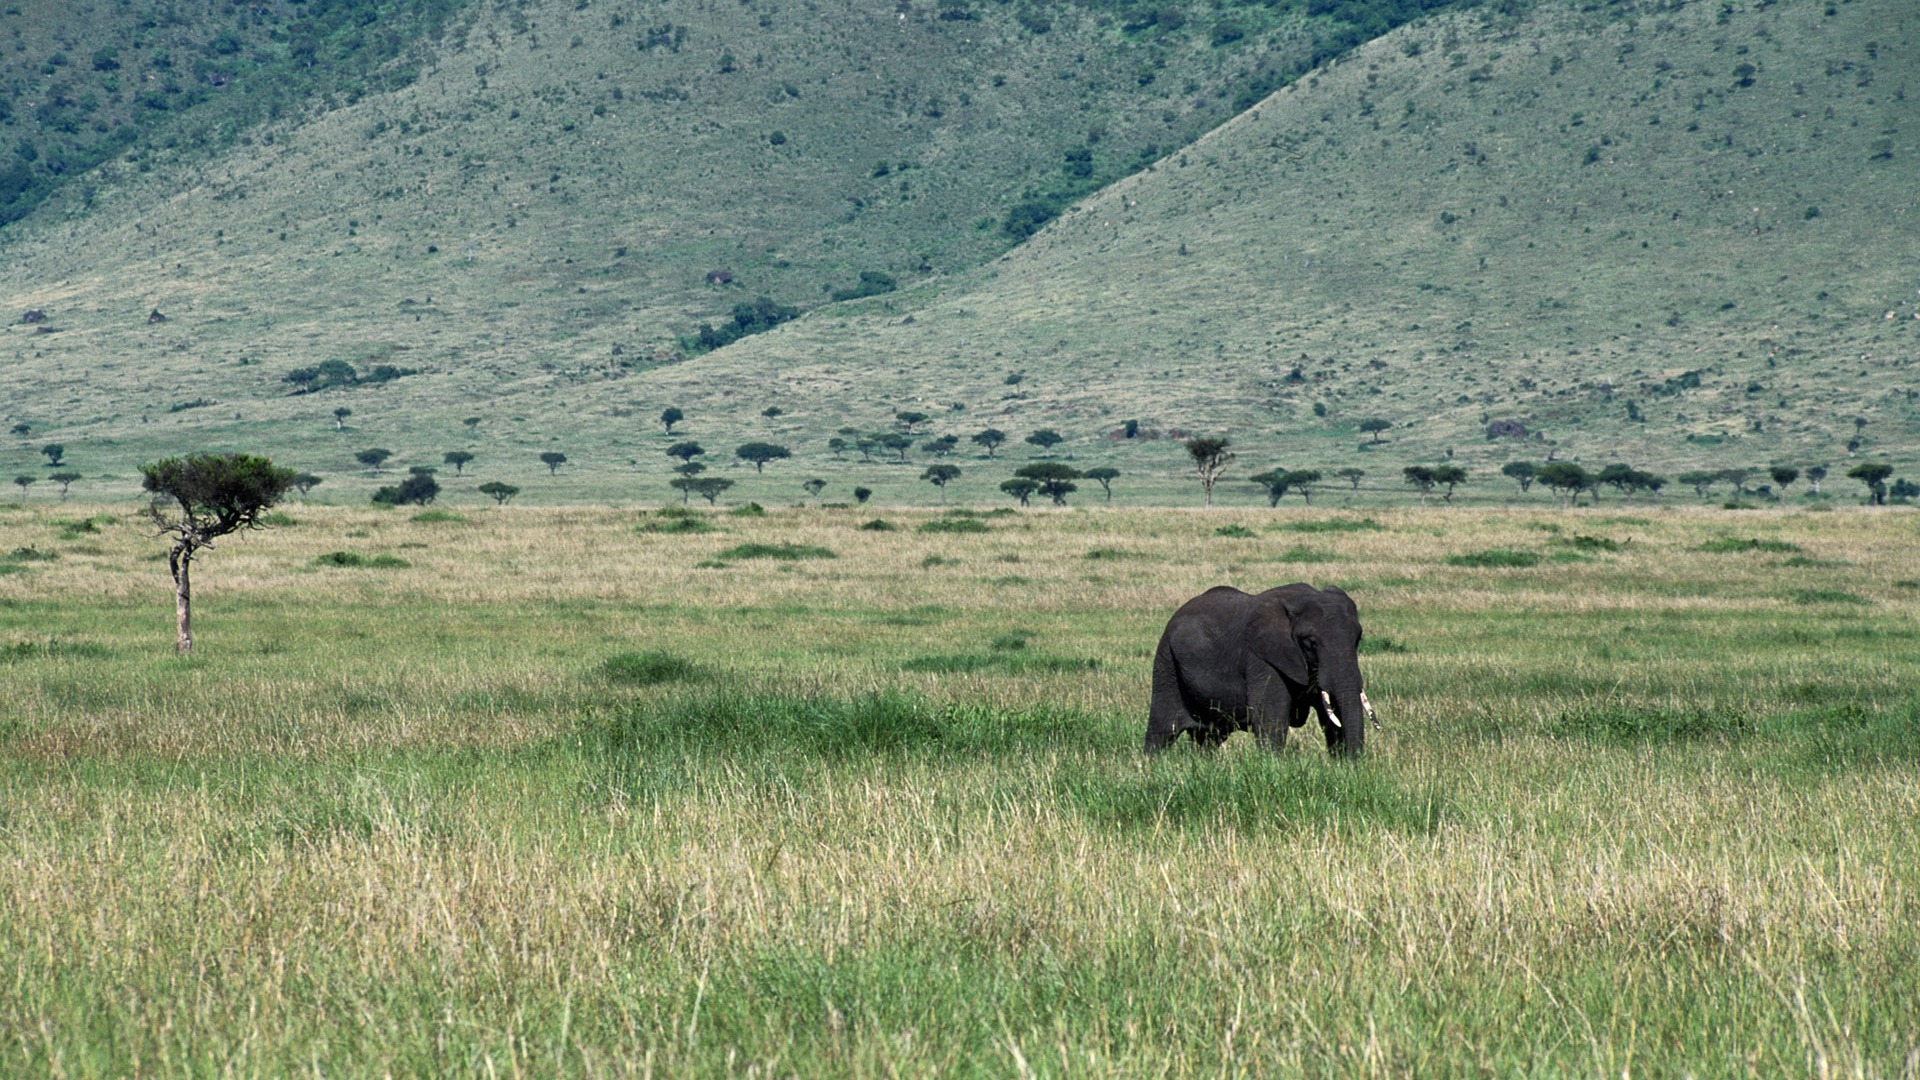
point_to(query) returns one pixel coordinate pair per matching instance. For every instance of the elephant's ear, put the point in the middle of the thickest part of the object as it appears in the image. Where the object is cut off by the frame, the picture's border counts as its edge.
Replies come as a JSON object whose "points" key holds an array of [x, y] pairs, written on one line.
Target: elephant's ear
{"points": [[1270, 637]]}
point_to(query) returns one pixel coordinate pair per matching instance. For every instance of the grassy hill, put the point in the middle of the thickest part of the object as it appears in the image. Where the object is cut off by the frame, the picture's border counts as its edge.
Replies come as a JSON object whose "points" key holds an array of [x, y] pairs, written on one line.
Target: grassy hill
{"points": [[1697, 216]]}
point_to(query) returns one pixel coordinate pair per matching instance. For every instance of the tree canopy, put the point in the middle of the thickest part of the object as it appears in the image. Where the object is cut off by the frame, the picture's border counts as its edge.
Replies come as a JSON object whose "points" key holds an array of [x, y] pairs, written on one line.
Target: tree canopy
{"points": [[200, 498], [759, 453]]}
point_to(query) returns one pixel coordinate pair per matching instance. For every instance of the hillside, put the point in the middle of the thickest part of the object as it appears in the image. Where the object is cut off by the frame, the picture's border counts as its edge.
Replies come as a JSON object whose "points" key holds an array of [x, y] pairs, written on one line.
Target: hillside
{"points": [[1554, 219], [1561, 222]]}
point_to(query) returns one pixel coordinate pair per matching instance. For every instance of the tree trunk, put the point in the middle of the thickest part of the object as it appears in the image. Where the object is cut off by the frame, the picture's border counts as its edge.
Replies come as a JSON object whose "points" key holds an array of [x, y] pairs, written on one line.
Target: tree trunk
{"points": [[181, 564]]}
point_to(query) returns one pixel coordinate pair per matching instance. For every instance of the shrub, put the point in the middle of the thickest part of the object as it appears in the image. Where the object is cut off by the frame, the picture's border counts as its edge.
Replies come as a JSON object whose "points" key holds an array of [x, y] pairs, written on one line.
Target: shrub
{"points": [[778, 551], [1497, 558], [1827, 596], [878, 525], [431, 517], [1237, 532]]}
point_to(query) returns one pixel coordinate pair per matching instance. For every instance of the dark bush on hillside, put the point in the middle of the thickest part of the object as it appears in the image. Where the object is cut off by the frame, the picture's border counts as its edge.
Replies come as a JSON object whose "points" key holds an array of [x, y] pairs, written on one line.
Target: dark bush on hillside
{"points": [[755, 318], [872, 283]]}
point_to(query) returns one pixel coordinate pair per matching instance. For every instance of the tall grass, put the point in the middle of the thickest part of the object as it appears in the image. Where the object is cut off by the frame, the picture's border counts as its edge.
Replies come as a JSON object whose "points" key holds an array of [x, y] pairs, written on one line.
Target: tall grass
{"points": [[548, 801]]}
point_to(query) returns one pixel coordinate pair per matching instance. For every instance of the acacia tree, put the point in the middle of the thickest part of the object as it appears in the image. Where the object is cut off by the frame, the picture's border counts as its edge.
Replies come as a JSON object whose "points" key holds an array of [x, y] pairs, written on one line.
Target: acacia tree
{"points": [[1873, 474], [340, 418], [895, 441], [760, 453], [1814, 476], [1020, 487], [909, 418], [64, 479], [1046, 439], [1304, 479], [1784, 476], [54, 452], [1210, 458], [940, 476], [499, 491], [941, 446], [1104, 475], [707, 487], [1421, 477], [1374, 425], [199, 498], [552, 459], [1700, 480], [1521, 471], [1562, 477], [1274, 482], [989, 440], [686, 451], [671, 416], [458, 459], [1351, 475], [814, 487], [1449, 475], [306, 482], [373, 457], [1054, 479], [25, 482]]}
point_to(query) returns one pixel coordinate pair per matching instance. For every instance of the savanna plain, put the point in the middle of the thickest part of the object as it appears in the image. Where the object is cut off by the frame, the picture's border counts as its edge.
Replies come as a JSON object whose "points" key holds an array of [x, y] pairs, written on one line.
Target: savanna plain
{"points": [[592, 791]]}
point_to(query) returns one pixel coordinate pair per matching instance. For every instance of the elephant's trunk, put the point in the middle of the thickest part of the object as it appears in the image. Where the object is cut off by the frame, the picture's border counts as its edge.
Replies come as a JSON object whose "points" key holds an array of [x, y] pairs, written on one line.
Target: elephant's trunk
{"points": [[1340, 689]]}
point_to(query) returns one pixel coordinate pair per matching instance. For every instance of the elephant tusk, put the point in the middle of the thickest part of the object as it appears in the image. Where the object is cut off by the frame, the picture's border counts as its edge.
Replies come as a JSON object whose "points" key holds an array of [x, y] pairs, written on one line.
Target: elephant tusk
{"points": [[1368, 706], [1331, 715]]}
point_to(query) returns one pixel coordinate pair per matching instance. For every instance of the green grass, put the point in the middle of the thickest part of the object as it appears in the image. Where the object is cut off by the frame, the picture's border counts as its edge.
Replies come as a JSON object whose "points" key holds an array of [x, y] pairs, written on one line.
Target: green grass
{"points": [[1727, 544], [782, 552], [1496, 559], [551, 799]]}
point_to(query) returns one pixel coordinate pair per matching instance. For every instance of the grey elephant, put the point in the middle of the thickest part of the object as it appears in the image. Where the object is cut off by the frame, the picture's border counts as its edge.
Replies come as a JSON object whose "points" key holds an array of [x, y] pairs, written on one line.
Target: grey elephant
{"points": [[1232, 661]]}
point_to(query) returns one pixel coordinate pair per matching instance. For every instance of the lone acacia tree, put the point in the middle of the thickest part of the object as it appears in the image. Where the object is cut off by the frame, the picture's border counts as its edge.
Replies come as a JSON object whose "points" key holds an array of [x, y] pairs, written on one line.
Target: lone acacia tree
{"points": [[500, 492], [64, 478], [760, 453], [1783, 476], [199, 498], [552, 459], [1873, 474], [1046, 439], [458, 459], [940, 476], [1304, 479], [671, 416], [1104, 475], [989, 440], [1351, 475], [1274, 482], [1210, 458]]}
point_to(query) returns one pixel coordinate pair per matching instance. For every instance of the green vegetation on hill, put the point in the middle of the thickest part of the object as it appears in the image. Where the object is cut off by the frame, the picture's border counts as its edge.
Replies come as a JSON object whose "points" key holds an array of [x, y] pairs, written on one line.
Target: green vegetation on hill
{"points": [[1668, 237]]}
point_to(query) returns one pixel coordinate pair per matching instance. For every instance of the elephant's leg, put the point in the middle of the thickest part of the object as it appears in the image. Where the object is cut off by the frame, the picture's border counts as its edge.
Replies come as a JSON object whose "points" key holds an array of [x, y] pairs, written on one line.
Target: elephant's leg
{"points": [[1270, 704], [1167, 713]]}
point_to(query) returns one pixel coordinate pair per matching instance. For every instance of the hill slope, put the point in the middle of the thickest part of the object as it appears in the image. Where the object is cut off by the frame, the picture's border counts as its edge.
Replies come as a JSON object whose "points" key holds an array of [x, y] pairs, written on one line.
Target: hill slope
{"points": [[1546, 220], [1701, 220]]}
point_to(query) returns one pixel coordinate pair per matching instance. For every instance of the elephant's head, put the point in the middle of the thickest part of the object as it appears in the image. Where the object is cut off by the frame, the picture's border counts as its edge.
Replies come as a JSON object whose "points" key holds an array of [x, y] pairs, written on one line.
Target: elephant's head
{"points": [[1326, 630]]}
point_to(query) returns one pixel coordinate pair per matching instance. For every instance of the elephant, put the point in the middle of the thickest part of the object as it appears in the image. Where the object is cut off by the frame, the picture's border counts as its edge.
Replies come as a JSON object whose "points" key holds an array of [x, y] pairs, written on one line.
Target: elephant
{"points": [[1232, 661]]}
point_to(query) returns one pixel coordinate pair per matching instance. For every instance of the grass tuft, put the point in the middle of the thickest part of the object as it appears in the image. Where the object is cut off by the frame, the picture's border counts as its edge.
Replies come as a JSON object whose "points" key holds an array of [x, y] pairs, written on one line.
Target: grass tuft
{"points": [[1725, 544], [955, 525], [778, 551], [1334, 525], [649, 669], [435, 516], [877, 525], [1237, 532], [382, 561], [1827, 596], [1496, 559]]}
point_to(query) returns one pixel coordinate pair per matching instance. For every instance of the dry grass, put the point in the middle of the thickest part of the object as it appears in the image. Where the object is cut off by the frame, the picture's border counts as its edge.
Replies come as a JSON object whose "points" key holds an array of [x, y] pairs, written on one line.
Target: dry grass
{"points": [[401, 820]]}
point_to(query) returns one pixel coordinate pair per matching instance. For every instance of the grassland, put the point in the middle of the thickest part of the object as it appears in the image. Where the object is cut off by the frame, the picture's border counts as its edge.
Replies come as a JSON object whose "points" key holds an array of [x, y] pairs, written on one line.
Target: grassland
{"points": [[589, 791]]}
